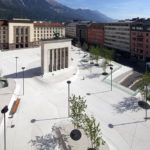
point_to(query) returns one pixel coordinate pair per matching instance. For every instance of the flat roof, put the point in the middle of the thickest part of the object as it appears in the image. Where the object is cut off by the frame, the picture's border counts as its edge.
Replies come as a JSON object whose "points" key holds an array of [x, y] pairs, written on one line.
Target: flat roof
{"points": [[56, 40]]}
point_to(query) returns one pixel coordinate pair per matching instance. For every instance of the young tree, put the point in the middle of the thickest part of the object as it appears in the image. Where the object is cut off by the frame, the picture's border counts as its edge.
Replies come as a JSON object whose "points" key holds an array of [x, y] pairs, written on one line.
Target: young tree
{"points": [[144, 85], [78, 44], [97, 54], [109, 55], [92, 54], [85, 46], [104, 66], [78, 106], [93, 132]]}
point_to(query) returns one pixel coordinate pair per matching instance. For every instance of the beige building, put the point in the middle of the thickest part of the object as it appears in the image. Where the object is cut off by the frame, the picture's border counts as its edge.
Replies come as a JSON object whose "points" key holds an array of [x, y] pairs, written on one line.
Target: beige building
{"points": [[46, 31], [117, 35], [23, 33], [55, 55]]}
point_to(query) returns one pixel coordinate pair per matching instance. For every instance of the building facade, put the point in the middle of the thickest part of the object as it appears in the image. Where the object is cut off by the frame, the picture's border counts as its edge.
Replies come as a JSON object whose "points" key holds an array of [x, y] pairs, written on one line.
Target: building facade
{"points": [[71, 31], [96, 34], [55, 55], [82, 31], [140, 39], [23, 33], [3, 34], [117, 36], [46, 31]]}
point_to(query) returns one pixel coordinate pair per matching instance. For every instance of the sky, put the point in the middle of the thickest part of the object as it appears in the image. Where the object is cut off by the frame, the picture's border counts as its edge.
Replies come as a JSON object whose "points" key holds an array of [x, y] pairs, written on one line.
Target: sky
{"points": [[116, 9]]}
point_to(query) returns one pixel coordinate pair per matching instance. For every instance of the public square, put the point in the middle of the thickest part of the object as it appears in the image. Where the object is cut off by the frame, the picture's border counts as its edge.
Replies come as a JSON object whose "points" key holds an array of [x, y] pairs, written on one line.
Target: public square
{"points": [[45, 101]]}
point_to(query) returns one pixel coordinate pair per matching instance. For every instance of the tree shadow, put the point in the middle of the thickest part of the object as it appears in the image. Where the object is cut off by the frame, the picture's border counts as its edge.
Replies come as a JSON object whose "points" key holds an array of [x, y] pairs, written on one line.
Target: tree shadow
{"points": [[51, 141], [27, 73], [128, 104], [98, 92]]}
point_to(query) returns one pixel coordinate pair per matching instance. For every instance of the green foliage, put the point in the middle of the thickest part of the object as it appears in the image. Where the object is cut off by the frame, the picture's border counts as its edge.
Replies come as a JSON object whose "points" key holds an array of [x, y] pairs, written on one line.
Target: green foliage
{"points": [[92, 56], [104, 65], [85, 46], [56, 35], [78, 44], [93, 131], [78, 106], [145, 80]]}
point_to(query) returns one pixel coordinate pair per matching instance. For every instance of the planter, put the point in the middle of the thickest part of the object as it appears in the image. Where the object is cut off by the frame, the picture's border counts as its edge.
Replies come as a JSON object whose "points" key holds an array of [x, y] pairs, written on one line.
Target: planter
{"points": [[104, 73], [91, 149], [75, 134], [110, 65], [91, 63]]}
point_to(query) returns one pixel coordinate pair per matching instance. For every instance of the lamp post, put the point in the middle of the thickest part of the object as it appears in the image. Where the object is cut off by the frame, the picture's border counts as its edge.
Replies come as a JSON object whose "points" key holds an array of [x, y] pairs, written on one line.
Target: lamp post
{"points": [[111, 68], [68, 82], [23, 78], [4, 111], [16, 65], [146, 101]]}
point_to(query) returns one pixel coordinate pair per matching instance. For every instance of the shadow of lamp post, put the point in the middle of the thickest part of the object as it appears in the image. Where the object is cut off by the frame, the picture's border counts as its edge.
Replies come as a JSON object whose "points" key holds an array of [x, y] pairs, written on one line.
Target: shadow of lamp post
{"points": [[16, 65], [68, 82], [111, 68], [23, 78], [4, 111]]}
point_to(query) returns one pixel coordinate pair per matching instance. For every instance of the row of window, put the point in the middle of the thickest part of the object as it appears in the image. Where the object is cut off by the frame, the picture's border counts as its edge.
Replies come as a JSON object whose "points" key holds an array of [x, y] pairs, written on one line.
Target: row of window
{"points": [[21, 39], [22, 31]]}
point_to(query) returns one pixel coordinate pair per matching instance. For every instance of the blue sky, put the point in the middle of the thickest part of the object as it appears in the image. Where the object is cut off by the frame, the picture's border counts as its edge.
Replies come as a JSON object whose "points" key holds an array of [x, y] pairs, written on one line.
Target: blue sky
{"points": [[117, 9]]}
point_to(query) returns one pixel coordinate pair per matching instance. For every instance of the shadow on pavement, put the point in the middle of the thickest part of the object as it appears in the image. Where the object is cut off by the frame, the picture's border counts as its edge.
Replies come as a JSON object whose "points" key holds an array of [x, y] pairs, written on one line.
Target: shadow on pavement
{"points": [[122, 124], [98, 92], [128, 104], [27, 73]]}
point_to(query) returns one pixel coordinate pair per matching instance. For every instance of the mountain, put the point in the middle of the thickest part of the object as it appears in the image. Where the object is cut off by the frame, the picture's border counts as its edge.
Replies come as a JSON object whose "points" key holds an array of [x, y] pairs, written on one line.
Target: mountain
{"points": [[47, 10]]}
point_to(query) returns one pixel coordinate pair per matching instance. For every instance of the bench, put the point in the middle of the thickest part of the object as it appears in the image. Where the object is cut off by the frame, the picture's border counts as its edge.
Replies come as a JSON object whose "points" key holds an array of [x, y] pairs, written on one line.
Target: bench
{"points": [[16, 105]]}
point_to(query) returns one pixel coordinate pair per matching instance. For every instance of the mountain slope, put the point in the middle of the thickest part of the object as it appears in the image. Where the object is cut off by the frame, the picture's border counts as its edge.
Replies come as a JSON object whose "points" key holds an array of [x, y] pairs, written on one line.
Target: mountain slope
{"points": [[48, 10]]}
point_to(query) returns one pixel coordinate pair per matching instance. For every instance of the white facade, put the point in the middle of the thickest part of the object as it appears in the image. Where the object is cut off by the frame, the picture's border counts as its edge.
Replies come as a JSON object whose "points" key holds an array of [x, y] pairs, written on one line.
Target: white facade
{"points": [[55, 55]]}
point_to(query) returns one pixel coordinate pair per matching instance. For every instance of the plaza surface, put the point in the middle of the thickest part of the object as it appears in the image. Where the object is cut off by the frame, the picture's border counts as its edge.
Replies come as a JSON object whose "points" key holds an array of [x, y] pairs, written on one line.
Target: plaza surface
{"points": [[44, 103]]}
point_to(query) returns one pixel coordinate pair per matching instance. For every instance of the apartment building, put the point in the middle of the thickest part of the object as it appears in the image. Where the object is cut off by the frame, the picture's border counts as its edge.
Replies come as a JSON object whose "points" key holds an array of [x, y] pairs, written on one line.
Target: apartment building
{"points": [[23, 33], [140, 39], [96, 34], [71, 31], [82, 31], [117, 35], [3, 34], [44, 31]]}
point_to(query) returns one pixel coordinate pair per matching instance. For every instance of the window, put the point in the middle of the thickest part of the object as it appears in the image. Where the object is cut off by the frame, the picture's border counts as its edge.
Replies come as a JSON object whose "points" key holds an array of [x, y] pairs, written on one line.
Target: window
{"points": [[17, 31], [21, 39], [26, 39], [146, 34], [146, 46], [146, 40], [17, 39], [21, 30], [26, 30]]}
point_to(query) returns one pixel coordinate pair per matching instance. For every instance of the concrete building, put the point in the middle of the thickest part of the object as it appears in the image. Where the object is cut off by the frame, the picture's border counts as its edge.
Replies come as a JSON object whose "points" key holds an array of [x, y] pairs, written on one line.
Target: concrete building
{"points": [[71, 31], [96, 34], [46, 31], [23, 33], [117, 35], [82, 31], [20, 33], [55, 55], [140, 39]]}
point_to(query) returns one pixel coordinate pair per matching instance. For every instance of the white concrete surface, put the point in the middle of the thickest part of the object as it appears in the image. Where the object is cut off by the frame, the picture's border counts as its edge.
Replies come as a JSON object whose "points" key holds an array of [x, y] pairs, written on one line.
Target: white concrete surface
{"points": [[47, 102]]}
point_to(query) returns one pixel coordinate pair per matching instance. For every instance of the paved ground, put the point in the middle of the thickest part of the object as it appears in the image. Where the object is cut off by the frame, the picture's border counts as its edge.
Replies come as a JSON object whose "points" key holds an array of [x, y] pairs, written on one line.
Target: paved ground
{"points": [[45, 103]]}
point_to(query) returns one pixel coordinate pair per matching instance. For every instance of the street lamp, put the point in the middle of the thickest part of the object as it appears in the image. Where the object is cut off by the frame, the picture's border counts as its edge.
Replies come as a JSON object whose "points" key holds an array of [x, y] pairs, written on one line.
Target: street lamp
{"points": [[23, 78], [4, 111], [16, 65], [68, 82], [111, 68]]}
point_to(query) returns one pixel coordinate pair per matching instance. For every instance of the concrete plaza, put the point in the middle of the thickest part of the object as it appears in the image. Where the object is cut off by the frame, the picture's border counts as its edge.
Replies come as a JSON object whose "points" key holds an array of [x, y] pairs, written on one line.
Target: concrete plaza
{"points": [[44, 103]]}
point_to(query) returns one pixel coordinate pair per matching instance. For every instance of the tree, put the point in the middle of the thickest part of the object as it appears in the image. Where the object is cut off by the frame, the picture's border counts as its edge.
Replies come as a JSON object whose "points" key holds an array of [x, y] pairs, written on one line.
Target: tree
{"points": [[144, 85], [78, 44], [92, 53], [109, 55], [93, 132], [96, 54], [85, 46], [104, 66], [78, 106]]}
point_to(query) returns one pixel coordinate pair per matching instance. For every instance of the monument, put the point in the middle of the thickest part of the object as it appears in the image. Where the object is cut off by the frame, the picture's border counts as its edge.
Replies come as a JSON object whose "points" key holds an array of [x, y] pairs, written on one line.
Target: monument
{"points": [[55, 55]]}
